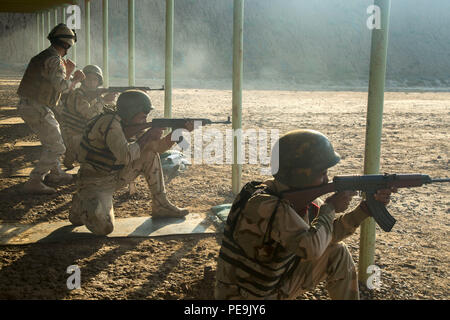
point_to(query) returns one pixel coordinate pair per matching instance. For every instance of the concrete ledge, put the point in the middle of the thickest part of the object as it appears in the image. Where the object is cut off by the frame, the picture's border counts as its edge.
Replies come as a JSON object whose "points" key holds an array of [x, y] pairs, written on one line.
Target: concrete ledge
{"points": [[16, 234], [11, 120], [25, 172]]}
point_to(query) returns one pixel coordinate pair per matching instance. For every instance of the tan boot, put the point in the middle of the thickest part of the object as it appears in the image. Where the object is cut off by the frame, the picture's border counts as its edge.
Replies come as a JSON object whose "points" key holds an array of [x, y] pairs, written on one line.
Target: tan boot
{"points": [[59, 178], [36, 186], [75, 211], [68, 163], [163, 208]]}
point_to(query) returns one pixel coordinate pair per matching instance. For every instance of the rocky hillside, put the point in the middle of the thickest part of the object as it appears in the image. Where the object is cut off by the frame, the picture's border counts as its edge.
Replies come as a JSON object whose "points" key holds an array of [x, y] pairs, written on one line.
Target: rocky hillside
{"points": [[286, 42]]}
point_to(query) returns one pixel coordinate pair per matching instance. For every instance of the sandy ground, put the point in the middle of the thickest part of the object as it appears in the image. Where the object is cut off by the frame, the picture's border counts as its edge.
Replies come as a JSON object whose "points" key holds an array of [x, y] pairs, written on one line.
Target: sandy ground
{"points": [[414, 257]]}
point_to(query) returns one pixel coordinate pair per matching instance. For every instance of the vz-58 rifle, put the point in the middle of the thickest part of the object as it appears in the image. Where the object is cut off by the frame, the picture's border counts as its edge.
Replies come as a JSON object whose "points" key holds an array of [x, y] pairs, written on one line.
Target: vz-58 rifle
{"points": [[366, 183], [172, 123], [122, 89]]}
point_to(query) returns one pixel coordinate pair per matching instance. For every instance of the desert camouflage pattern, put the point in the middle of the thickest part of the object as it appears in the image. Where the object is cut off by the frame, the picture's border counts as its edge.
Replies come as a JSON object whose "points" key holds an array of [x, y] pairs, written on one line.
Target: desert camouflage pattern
{"points": [[41, 119], [92, 203], [315, 244], [79, 108]]}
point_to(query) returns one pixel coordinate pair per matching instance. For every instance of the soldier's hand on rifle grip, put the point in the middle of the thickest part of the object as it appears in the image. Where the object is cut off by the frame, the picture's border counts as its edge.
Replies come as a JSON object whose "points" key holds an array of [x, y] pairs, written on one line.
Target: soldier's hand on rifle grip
{"points": [[70, 66], [110, 98], [78, 76], [341, 200], [155, 133], [384, 195], [150, 135], [189, 126]]}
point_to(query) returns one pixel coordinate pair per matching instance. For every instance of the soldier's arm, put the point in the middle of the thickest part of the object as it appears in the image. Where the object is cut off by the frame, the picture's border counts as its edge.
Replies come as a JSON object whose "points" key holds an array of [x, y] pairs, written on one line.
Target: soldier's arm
{"points": [[346, 224], [55, 72], [294, 233], [163, 144], [98, 105], [85, 109], [124, 151]]}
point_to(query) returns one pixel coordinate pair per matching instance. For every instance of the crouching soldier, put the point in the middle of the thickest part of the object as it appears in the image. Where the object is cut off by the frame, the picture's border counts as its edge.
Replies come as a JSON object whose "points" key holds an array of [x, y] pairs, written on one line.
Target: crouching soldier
{"points": [[45, 78], [271, 251], [109, 162], [81, 105]]}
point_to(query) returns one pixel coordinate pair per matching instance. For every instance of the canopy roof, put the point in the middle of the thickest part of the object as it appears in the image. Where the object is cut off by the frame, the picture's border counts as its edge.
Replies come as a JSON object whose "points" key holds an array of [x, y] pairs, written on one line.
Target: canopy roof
{"points": [[32, 5]]}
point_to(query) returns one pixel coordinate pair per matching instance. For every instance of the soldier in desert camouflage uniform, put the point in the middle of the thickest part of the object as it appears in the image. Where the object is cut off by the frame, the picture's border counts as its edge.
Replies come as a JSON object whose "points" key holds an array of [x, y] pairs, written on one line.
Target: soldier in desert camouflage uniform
{"points": [[270, 251], [45, 78], [81, 105], [109, 162]]}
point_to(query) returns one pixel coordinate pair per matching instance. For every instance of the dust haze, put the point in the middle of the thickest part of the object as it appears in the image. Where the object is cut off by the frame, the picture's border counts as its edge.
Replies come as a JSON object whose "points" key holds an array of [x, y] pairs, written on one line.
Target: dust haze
{"points": [[288, 44]]}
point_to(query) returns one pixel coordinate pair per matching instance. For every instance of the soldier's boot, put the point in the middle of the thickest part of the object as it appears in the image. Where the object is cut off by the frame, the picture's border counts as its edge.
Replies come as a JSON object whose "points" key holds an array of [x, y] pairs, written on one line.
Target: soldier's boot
{"points": [[68, 163], [75, 211], [59, 176], [69, 159], [162, 207], [36, 186]]}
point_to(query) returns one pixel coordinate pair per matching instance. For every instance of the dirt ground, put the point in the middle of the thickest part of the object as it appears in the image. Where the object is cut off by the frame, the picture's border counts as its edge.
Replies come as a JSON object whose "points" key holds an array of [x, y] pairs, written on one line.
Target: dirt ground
{"points": [[414, 257]]}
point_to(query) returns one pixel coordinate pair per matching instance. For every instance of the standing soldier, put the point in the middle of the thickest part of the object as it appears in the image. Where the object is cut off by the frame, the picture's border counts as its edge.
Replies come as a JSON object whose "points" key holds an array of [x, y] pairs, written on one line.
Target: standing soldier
{"points": [[45, 78], [269, 250], [109, 162], [81, 105]]}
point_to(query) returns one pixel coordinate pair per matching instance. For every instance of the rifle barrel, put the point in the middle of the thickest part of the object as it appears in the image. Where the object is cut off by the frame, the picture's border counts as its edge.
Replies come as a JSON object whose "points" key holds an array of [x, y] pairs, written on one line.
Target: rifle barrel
{"points": [[228, 121], [440, 180]]}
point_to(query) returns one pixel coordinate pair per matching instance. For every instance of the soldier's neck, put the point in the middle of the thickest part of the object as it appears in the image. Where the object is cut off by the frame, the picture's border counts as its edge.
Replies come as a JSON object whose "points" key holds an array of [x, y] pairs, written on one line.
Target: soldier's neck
{"points": [[61, 51]]}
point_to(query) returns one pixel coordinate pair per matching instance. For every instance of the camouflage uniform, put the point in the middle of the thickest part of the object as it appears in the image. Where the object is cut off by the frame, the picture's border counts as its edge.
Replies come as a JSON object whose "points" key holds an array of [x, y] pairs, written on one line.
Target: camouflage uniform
{"points": [[39, 91], [108, 163], [80, 106], [275, 253]]}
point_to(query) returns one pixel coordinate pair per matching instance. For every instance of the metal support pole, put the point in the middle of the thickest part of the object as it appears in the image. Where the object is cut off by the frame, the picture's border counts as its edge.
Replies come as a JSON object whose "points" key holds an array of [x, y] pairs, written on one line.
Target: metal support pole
{"points": [[56, 16], [238, 42], [63, 14], [49, 22], [87, 31], [38, 34], [43, 30], [74, 53], [168, 83], [74, 47], [105, 45], [131, 38], [373, 129]]}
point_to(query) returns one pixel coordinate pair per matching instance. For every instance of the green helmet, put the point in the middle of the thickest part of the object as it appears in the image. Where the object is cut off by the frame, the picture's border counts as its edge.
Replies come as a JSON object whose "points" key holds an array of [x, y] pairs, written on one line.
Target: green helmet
{"points": [[92, 68], [131, 102], [62, 36], [300, 156]]}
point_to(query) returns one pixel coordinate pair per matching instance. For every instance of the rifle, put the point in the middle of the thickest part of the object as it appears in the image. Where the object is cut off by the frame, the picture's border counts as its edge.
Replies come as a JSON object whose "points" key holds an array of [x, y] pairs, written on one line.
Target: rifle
{"points": [[173, 123], [122, 89], [367, 183]]}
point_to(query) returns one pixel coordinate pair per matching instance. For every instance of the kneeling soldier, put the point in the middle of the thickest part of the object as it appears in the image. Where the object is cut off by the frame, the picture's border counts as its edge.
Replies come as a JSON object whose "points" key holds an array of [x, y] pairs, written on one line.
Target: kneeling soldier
{"points": [[271, 251], [109, 162], [81, 105]]}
